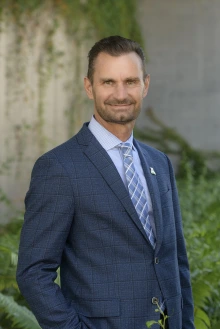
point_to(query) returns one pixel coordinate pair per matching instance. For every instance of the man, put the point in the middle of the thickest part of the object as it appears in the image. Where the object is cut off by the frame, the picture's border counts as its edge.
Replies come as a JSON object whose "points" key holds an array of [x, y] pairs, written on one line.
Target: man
{"points": [[104, 208]]}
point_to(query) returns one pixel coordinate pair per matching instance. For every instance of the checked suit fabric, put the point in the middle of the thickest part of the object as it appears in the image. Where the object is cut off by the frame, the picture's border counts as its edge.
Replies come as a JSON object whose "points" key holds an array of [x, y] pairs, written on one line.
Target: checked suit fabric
{"points": [[136, 191]]}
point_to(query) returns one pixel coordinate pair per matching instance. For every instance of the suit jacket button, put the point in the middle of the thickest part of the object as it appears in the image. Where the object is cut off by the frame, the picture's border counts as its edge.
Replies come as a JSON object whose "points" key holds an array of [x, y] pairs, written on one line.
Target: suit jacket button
{"points": [[155, 300], [156, 260]]}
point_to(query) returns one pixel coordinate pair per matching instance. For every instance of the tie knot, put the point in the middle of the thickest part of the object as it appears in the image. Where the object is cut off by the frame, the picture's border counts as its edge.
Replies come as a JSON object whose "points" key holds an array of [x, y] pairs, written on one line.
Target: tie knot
{"points": [[126, 149]]}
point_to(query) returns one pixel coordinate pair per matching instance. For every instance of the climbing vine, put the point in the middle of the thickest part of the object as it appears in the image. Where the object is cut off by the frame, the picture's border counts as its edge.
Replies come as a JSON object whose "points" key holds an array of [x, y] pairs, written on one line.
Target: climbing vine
{"points": [[108, 17]]}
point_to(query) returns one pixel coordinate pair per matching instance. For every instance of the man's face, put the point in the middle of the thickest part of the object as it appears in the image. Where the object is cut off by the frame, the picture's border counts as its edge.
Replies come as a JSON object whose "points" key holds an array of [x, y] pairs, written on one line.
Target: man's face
{"points": [[118, 88]]}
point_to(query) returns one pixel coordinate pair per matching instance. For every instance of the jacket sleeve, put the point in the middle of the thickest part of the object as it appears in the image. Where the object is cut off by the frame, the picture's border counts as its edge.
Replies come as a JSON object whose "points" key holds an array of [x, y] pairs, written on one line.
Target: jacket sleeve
{"points": [[188, 308], [49, 214]]}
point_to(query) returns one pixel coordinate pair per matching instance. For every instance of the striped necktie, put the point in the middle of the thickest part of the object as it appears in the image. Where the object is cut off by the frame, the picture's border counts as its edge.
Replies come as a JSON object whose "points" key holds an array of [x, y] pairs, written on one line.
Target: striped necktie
{"points": [[136, 191]]}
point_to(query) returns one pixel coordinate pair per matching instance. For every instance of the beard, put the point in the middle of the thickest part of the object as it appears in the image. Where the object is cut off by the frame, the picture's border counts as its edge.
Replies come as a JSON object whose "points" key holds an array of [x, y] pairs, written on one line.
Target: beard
{"points": [[119, 115]]}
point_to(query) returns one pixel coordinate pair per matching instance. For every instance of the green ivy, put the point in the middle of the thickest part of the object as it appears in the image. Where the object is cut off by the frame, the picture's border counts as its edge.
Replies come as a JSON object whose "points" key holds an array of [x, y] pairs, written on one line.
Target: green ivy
{"points": [[109, 17], [115, 17]]}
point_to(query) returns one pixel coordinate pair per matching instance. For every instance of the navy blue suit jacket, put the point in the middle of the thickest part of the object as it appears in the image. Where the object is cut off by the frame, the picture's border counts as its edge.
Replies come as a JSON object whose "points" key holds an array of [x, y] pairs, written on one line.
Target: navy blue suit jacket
{"points": [[79, 217]]}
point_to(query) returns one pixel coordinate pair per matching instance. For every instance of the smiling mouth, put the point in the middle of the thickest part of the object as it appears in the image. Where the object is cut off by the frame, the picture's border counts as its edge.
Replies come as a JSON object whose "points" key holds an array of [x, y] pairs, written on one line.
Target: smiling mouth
{"points": [[120, 105]]}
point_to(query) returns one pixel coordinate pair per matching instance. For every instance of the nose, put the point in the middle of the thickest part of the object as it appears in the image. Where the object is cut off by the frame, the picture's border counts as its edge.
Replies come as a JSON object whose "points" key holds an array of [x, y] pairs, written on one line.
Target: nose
{"points": [[120, 92]]}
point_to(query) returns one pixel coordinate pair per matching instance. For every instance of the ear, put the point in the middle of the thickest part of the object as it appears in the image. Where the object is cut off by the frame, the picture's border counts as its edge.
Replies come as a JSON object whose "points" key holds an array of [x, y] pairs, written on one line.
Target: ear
{"points": [[88, 88], [146, 85]]}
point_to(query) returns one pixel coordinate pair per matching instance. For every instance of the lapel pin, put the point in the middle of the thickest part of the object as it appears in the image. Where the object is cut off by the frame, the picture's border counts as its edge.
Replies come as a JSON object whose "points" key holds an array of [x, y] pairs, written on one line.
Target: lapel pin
{"points": [[152, 171]]}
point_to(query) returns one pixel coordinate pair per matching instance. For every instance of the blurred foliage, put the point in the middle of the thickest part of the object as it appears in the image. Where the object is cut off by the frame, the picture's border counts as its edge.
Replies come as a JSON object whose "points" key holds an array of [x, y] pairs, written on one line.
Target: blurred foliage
{"points": [[200, 205], [20, 316], [115, 17], [14, 312], [109, 17], [169, 141]]}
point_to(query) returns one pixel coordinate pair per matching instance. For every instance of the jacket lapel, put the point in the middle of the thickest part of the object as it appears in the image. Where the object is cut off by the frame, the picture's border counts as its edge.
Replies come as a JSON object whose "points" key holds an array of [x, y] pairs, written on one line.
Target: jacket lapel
{"points": [[152, 184], [101, 160]]}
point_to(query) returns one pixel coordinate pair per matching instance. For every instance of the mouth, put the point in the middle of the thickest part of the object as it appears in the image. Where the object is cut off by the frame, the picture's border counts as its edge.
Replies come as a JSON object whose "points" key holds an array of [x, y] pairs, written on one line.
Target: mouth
{"points": [[120, 105]]}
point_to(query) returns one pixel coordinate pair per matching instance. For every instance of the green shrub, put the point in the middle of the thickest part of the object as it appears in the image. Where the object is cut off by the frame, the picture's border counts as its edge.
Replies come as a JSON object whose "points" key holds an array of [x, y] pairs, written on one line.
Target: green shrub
{"points": [[200, 205], [13, 309]]}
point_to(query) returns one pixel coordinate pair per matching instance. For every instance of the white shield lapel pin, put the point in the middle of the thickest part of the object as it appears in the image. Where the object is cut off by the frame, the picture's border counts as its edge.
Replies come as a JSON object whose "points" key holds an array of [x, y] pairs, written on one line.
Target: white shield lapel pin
{"points": [[152, 171]]}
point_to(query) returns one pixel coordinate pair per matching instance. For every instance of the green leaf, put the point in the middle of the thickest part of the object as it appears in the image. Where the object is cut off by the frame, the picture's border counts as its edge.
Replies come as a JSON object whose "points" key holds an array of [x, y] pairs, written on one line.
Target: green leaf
{"points": [[199, 313], [199, 324], [160, 322], [216, 325], [20, 316], [150, 323]]}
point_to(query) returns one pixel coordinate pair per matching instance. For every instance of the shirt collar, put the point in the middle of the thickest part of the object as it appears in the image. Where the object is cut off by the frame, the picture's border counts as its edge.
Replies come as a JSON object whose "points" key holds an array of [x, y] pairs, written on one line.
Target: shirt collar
{"points": [[105, 137]]}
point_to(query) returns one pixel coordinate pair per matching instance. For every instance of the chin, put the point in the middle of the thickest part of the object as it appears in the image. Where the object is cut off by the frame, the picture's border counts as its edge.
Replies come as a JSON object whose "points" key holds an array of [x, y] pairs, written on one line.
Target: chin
{"points": [[123, 120]]}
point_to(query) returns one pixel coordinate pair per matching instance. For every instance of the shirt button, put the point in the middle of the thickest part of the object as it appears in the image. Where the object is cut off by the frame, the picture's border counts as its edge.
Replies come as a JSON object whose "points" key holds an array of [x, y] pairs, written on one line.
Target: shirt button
{"points": [[156, 260], [155, 300]]}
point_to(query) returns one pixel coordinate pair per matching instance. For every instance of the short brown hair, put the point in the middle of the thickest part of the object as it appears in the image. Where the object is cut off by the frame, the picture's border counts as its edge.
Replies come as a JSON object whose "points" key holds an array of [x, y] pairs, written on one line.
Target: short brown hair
{"points": [[114, 46]]}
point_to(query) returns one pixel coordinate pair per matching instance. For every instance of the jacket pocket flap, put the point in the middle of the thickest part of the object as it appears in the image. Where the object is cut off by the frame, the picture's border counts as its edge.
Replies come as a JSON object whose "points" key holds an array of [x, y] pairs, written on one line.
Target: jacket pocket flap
{"points": [[97, 307], [174, 305]]}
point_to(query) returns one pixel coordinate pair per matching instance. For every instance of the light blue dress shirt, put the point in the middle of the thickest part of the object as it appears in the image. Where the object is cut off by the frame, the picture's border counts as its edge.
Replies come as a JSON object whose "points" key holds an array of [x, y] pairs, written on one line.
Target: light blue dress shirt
{"points": [[110, 143]]}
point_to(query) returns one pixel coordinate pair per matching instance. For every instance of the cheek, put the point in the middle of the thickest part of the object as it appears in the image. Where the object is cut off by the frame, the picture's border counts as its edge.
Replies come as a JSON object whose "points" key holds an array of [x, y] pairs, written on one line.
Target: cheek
{"points": [[105, 95], [138, 95], [99, 98]]}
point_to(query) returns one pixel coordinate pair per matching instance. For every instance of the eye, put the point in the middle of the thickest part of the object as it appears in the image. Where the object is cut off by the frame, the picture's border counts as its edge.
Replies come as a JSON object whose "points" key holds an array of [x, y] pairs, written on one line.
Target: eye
{"points": [[131, 82], [108, 82]]}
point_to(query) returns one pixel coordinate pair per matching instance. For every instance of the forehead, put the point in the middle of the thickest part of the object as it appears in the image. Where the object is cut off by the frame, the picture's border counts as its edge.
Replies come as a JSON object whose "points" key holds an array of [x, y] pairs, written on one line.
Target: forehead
{"points": [[129, 64]]}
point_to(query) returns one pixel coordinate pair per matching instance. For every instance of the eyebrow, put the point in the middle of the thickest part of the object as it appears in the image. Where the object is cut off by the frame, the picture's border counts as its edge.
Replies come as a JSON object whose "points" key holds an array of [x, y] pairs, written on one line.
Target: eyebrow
{"points": [[133, 79], [127, 79], [106, 79]]}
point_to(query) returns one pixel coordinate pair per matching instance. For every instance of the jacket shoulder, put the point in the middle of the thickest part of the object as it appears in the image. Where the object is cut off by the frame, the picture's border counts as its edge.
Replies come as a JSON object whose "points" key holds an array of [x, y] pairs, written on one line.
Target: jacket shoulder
{"points": [[151, 150], [70, 146]]}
